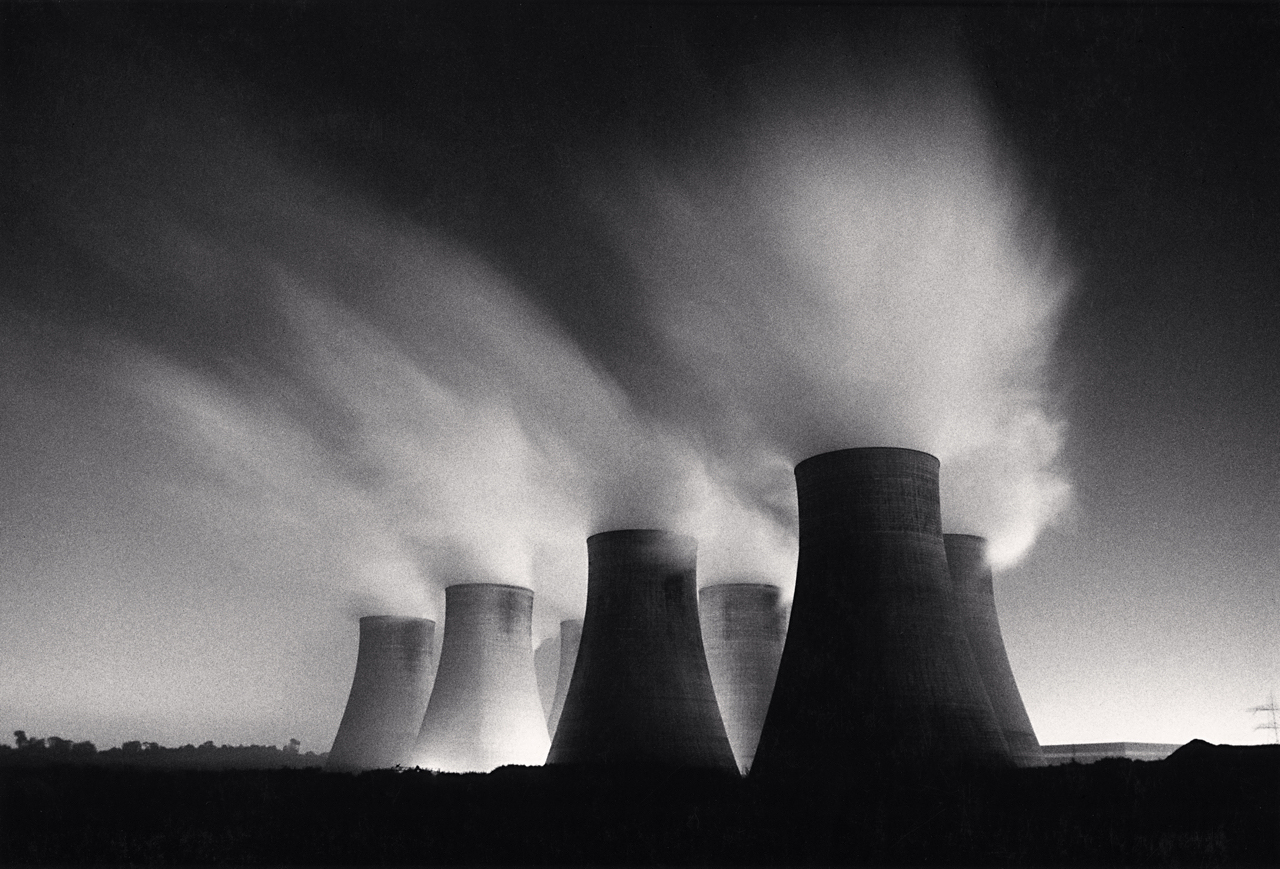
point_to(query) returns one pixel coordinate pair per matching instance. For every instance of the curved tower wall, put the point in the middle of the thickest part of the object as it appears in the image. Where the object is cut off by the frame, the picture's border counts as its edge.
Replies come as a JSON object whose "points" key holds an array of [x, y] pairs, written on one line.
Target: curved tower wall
{"points": [[743, 630], [546, 667], [570, 640], [877, 678], [388, 694], [971, 573], [641, 691], [484, 710]]}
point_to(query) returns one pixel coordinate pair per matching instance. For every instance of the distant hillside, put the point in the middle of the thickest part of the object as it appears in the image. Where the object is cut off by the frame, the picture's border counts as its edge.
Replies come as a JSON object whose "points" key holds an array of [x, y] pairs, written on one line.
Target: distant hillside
{"points": [[54, 750]]}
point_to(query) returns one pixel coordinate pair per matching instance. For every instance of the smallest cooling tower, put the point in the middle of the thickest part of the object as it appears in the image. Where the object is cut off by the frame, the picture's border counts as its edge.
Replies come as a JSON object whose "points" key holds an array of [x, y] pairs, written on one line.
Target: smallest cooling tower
{"points": [[641, 692], [388, 694], [743, 630], [484, 711], [570, 638], [971, 573]]}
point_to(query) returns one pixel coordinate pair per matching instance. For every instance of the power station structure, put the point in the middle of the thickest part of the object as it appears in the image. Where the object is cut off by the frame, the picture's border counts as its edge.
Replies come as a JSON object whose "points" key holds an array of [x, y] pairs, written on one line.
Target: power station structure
{"points": [[570, 639], [546, 666], [641, 691], [975, 594], [484, 711], [877, 678], [743, 630], [388, 694]]}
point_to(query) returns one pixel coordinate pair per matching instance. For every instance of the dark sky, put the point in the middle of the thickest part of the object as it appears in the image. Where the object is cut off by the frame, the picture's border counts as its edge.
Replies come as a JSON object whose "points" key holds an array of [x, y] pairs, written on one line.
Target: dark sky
{"points": [[309, 311]]}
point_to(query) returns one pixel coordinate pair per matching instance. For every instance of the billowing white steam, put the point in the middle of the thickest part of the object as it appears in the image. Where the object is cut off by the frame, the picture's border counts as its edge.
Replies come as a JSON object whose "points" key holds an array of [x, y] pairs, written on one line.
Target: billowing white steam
{"points": [[848, 268], [854, 266], [446, 433]]}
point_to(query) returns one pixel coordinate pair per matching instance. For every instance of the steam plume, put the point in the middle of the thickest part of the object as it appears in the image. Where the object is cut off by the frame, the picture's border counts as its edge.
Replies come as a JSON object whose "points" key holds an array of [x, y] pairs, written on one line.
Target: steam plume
{"points": [[841, 258], [852, 264]]}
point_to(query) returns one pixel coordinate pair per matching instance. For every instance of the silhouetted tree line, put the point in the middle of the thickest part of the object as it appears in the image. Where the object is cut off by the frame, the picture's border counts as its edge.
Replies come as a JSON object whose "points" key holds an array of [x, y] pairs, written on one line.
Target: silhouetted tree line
{"points": [[45, 750], [1204, 806]]}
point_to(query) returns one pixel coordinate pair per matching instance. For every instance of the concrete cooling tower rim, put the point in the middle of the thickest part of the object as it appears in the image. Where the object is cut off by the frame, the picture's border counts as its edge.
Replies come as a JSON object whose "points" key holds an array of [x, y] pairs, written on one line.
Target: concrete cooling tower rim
{"points": [[865, 451], [761, 584], [641, 535], [523, 588], [393, 620]]}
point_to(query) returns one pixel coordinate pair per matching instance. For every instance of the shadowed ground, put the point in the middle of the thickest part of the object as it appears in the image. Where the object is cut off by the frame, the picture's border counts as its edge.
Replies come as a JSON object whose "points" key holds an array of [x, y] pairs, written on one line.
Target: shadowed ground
{"points": [[1206, 805]]}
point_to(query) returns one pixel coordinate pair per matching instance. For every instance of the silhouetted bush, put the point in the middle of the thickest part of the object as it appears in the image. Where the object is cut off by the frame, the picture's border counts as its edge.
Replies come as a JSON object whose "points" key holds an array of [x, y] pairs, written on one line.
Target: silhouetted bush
{"points": [[56, 750]]}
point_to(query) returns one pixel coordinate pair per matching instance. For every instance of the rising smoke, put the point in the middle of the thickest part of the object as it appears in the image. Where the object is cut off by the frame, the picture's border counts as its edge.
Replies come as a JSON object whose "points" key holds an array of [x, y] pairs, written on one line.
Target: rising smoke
{"points": [[842, 257], [853, 264]]}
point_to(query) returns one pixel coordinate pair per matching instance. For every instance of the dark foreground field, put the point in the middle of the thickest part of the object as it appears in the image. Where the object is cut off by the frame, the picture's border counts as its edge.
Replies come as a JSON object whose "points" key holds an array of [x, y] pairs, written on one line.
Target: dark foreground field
{"points": [[1205, 806]]}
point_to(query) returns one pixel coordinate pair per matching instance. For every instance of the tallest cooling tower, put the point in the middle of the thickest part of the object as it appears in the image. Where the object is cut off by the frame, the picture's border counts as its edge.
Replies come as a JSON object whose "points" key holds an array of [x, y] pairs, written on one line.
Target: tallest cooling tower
{"points": [[971, 573], [877, 678]]}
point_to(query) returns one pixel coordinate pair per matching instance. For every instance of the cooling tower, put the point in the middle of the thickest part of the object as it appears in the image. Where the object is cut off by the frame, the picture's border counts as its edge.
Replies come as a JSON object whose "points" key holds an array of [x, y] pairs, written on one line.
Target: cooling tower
{"points": [[388, 694], [641, 692], [743, 629], [877, 679], [971, 573], [484, 711], [546, 667], [570, 639]]}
